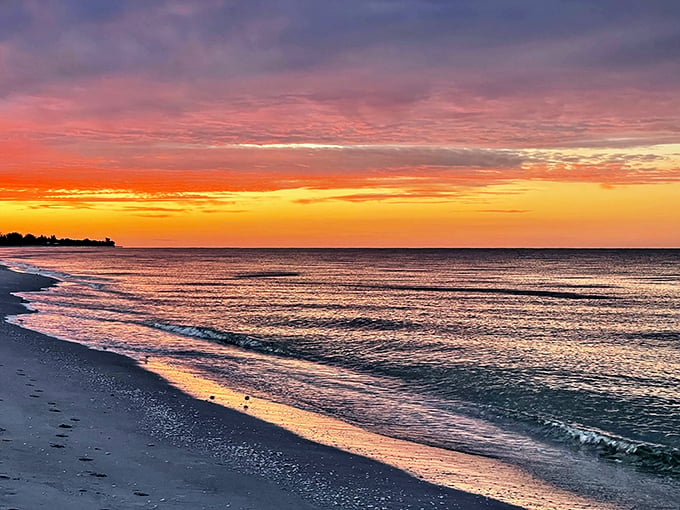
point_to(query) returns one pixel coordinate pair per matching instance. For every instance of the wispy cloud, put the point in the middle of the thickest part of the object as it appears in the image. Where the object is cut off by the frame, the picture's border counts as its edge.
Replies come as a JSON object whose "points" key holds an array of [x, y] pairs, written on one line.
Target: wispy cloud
{"points": [[144, 209], [504, 211]]}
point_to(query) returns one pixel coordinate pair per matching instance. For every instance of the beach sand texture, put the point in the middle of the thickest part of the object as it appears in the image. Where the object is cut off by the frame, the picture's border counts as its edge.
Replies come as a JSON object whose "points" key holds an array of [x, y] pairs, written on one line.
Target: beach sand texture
{"points": [[86, 429]]}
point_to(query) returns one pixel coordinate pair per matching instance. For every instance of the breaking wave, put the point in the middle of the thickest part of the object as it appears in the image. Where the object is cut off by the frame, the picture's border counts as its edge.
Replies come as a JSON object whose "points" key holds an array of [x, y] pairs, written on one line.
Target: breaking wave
{"points": [[645, 456], [224, 337]]}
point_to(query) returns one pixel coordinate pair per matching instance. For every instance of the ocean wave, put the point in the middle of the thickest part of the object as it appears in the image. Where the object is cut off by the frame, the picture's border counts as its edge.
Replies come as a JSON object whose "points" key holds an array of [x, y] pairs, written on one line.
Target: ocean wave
{"points": [[267, 274], [493, 290], [223, 337], [23, 267], [655, 335], [349, 323], [579, 285], [651, 457], [95, 283], [645, 456]]}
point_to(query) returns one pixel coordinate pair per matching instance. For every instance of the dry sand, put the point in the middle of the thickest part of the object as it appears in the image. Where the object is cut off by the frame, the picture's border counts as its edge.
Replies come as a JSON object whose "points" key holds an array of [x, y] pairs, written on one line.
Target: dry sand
{"points": [[86, 429]]}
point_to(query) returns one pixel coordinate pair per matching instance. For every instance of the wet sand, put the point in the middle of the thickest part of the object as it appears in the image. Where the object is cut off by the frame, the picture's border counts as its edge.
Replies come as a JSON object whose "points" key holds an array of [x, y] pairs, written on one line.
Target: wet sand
{"points": [[86, 429]]}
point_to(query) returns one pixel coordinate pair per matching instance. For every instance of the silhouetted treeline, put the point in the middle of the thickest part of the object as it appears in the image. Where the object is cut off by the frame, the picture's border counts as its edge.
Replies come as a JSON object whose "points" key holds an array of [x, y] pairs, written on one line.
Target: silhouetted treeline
{"points": [[17, 239]]}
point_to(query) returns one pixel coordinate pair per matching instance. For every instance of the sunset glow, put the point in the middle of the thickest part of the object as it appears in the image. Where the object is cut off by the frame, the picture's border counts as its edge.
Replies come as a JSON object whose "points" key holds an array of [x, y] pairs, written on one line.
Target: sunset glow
{"points": [[172, 123]]}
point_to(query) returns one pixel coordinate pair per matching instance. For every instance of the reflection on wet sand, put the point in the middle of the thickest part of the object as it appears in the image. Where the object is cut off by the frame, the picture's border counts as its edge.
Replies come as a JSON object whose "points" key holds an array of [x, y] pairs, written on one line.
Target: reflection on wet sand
{"points": [[470, 473]]}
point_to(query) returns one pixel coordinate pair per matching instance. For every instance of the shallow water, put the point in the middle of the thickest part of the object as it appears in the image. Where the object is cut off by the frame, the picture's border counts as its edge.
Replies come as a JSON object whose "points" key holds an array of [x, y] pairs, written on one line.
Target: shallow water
{"points": [[563, 362]]}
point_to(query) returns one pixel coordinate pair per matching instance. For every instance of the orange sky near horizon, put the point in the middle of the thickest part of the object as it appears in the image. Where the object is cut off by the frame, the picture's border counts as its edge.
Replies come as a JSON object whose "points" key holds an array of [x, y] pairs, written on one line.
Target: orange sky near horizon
{"points": [[525, 214], [183, 124]]}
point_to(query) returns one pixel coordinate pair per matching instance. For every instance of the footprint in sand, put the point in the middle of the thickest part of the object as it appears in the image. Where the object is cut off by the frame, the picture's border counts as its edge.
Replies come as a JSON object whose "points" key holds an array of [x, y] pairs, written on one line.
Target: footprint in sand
{"points": [[95, 474]]}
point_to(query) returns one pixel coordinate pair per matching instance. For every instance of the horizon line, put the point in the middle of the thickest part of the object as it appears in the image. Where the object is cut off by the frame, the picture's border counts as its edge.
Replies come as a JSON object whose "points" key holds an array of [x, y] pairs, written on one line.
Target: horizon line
{"points": [[402, 247]]}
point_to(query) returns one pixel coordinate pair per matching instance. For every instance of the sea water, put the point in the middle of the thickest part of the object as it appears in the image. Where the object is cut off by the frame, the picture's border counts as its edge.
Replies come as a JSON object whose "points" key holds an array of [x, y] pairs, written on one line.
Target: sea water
{"points": [[565, 363]]}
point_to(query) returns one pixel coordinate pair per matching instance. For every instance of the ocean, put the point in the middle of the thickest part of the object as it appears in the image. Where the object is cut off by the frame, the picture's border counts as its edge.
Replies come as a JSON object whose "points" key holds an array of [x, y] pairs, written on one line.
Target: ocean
{"points": [[565, 363]]}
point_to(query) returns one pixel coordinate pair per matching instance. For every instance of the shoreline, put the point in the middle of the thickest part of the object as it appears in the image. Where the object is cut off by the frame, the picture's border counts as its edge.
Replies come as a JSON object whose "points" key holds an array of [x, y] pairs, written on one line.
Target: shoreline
{"points": [[476, 474], [82, 428]]}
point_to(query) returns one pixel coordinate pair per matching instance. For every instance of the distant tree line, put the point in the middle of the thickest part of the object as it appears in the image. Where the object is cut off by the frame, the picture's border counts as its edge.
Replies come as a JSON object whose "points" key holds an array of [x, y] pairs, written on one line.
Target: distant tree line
{"points": [[17, 239]]}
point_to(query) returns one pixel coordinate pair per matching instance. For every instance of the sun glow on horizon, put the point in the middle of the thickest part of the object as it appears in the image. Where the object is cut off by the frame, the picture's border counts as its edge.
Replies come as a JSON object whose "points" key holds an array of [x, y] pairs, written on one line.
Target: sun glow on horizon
{"points": [[528, 213]]}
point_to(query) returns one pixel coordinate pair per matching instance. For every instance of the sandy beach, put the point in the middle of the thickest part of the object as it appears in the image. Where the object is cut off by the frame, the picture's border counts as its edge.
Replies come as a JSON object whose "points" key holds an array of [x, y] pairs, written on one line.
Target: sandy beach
{"points": [[87, 429]]}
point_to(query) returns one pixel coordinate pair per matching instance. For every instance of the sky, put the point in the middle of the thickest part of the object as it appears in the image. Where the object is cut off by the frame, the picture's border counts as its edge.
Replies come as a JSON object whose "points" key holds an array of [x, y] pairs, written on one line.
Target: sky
{"points": [[415, 123]]}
